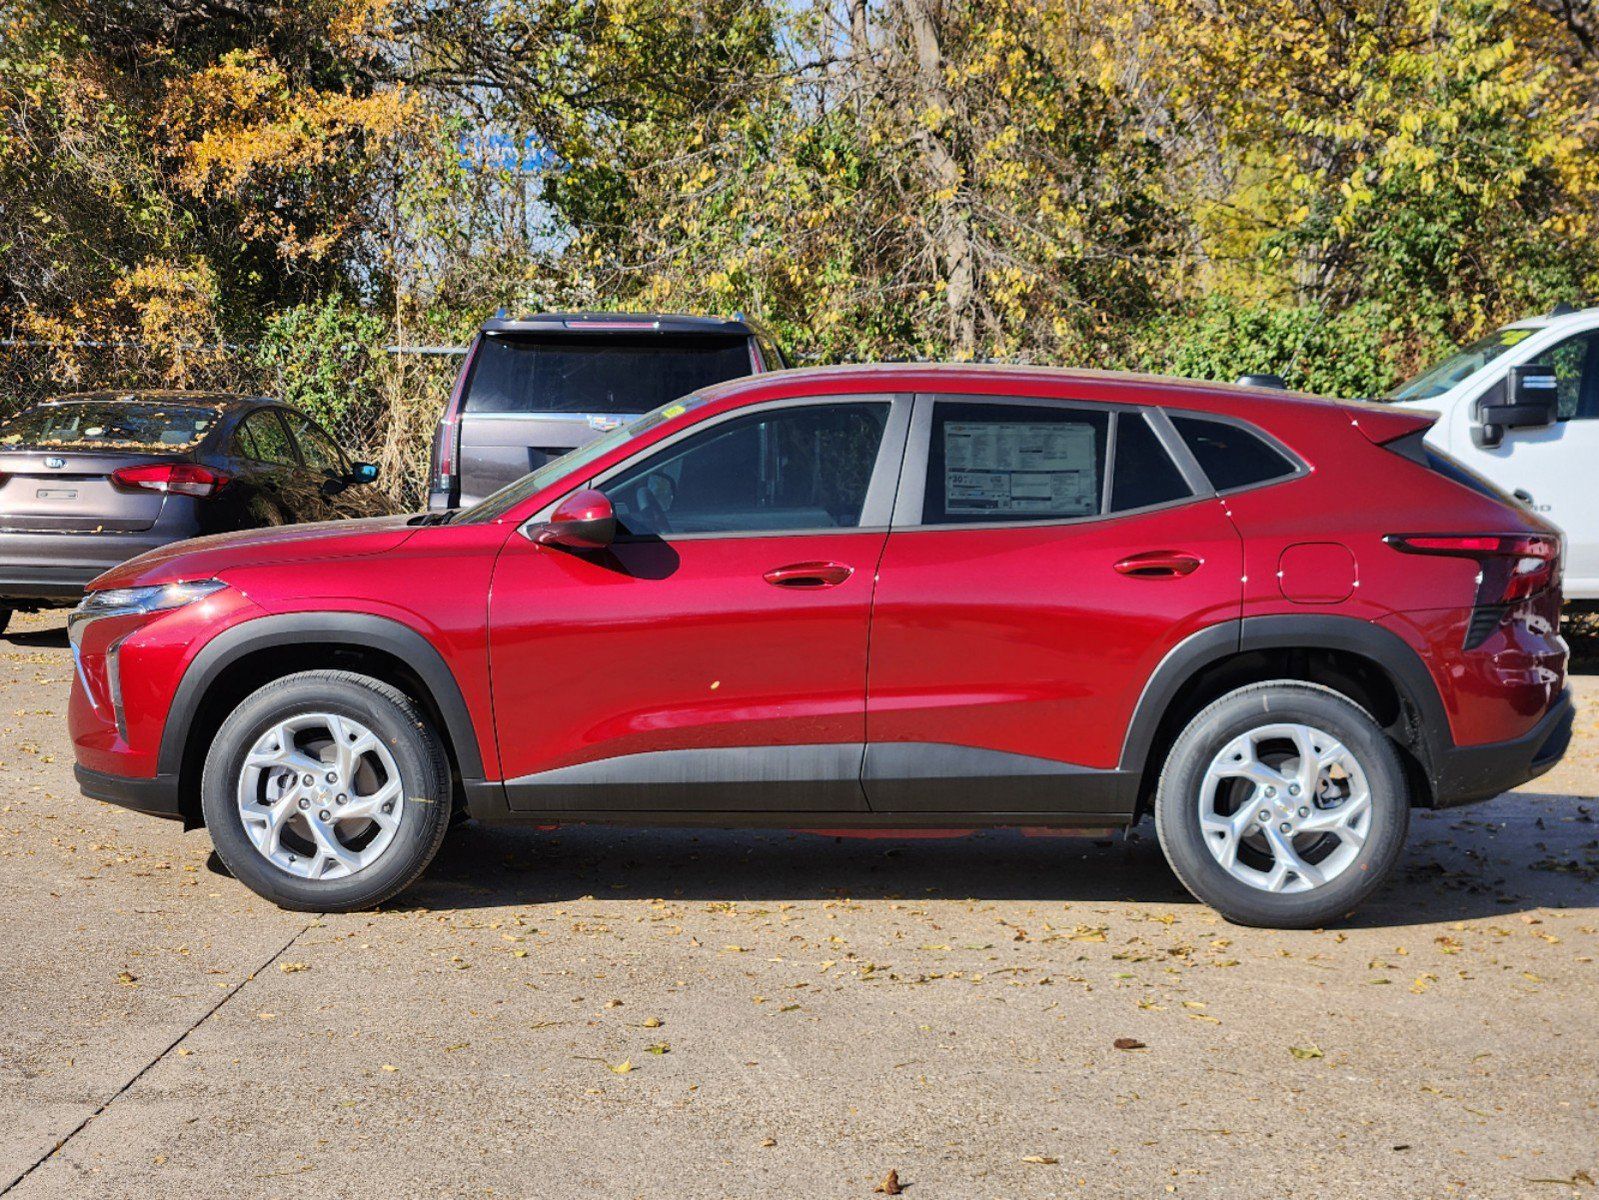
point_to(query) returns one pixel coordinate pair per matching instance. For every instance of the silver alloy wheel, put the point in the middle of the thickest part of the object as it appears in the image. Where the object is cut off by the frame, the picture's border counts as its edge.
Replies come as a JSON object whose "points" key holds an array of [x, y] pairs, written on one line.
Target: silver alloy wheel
{"points": [[320, 796], [1285, 808]]}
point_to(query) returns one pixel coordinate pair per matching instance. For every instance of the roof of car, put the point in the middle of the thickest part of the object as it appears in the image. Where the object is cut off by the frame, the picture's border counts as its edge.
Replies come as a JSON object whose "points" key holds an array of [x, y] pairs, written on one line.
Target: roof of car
{"points": [[618, 322], [155, 396], [951, 376], [1561, 315]]}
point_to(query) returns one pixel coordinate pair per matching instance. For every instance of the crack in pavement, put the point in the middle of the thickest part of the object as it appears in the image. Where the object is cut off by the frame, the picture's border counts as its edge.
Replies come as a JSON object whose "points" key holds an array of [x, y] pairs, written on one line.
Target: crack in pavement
{"points": [[173, 1045]]}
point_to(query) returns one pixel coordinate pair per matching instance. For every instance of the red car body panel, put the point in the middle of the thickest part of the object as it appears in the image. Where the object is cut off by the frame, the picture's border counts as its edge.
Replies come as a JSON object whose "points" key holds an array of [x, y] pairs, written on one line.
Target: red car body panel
{"points": [[659, 646], [1024, 641], [1020, 640]]}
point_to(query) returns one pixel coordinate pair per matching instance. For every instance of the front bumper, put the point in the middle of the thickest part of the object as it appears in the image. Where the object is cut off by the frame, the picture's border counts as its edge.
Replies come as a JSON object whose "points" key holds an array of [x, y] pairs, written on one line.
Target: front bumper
{"points": [[1466, 774], [156, 797]]}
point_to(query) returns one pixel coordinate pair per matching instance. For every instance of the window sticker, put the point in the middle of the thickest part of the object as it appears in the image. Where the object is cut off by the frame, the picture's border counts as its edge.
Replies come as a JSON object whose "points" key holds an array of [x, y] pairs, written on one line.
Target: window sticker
{"points": [[1043, 469]]}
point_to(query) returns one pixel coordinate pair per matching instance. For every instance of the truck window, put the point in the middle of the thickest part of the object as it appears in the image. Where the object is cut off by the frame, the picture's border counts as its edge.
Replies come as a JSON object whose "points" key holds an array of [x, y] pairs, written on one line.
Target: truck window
{"points": [[609, 375], [1438, 379], [1576, 376]]}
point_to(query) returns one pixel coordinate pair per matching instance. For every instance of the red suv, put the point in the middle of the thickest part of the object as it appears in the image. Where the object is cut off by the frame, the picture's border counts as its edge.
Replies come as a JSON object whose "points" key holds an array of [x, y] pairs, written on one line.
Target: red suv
{"points": [[874, 597]]}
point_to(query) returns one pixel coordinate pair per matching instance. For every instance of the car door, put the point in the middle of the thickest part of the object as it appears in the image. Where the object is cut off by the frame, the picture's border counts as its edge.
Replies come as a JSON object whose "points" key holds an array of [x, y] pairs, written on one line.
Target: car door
{"points": [[1553, 465], [1045, 556], [714, 657], [265, 458]]}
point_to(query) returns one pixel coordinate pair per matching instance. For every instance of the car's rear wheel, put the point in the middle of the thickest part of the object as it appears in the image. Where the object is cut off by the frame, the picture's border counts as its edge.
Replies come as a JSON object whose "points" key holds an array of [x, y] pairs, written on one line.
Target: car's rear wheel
{"points": [[326, 791], [1282, 804]]}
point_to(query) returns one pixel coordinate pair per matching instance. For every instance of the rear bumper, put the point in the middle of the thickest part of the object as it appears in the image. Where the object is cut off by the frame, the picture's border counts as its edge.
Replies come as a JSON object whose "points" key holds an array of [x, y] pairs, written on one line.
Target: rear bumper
{"points": [[157, 797], [1466, 774], [52, 569]]}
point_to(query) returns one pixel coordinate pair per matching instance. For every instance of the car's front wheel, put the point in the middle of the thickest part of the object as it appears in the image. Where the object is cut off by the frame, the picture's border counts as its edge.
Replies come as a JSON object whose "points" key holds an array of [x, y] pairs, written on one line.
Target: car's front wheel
{"points": [[1282, 804], [326, 791]]}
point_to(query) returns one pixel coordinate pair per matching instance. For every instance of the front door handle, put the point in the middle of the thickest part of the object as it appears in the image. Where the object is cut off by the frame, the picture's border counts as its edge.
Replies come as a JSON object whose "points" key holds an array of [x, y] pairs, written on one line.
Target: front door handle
{"points": [[1159, 564], [809, 575]]}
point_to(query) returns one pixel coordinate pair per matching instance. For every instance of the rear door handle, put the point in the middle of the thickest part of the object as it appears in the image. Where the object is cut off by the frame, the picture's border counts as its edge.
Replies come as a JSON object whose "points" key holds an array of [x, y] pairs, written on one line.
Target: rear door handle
{"points": [[1159, 564], [809, 575]]}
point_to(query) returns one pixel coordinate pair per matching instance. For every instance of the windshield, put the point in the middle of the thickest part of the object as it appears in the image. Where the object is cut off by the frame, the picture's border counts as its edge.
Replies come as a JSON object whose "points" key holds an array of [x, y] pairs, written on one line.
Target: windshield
{"points": [[497, 504], [1437, 380], [109, 425], [610, 375]]}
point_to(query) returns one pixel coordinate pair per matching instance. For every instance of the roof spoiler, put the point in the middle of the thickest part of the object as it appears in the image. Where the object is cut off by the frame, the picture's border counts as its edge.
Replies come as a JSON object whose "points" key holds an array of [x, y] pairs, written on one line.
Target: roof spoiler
{"points": [[1384, 425]]}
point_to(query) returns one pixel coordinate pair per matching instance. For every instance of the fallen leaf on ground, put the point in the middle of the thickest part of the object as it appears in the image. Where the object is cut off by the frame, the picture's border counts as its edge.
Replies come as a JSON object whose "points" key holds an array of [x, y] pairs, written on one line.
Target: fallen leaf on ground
{"points": [[291, 968], [652, 1022], [1128, 1044], [890, 1185], [659, 1048], [1042, 1160], [1310, 1051], [621, 1068]]}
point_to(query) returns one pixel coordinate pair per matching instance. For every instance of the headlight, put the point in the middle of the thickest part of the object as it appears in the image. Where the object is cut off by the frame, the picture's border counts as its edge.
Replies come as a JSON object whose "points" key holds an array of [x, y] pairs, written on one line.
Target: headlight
{"points": [[125, 602]]}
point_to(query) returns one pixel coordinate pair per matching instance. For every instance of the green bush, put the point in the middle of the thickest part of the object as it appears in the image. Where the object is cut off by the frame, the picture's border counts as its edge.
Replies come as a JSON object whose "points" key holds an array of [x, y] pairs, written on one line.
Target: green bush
{"points": [[325, 357], [1357, 353]]}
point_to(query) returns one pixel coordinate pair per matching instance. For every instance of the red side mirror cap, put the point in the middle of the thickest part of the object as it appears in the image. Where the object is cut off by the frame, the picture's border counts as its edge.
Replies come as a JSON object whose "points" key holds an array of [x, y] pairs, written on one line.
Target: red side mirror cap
{"points": [[583, 521]]}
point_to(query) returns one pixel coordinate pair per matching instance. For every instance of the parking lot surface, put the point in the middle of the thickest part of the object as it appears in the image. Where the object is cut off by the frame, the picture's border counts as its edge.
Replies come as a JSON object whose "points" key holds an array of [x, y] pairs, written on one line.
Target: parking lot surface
{"points": [[617, 1013]]}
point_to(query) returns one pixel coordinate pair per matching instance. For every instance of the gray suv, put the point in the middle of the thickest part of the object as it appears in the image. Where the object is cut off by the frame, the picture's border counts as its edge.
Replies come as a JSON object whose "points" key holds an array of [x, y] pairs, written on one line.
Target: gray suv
{"points": [[534, 387]]}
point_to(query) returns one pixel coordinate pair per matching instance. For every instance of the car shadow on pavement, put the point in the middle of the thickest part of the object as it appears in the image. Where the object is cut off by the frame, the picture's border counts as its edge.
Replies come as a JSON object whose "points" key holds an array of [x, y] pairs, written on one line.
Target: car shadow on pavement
{"points": [[39, 639], [1519, 853]]}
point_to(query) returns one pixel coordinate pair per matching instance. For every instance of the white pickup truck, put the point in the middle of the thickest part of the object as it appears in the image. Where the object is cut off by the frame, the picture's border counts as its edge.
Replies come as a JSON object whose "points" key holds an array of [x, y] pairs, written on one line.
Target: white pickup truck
{"points": [[1520, 407]]}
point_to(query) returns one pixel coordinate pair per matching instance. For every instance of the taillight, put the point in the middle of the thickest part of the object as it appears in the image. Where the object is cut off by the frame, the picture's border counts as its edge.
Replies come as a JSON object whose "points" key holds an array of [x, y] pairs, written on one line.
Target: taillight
{"points": [[448, 436], [1512, 567], [184, 479]]}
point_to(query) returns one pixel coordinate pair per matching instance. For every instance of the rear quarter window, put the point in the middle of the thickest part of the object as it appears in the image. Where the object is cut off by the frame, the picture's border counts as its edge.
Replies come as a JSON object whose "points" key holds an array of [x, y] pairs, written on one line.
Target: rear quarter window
{"points": [[1230, 455]]}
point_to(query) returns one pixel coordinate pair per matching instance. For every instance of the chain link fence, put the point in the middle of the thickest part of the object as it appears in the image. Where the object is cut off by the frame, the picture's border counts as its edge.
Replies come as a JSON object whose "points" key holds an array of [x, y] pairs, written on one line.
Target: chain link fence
{"points": [[389, 420]]}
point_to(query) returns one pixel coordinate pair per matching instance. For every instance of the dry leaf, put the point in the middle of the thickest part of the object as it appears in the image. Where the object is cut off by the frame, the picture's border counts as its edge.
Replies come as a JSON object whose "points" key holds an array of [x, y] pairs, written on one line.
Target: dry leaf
{"points": [[768, 1143], [1303, 1052], [1042, 1160], [890, 1185], [652, 1022], [621, 1068], [289, 968], [1128, 1044], [659, 1048]]}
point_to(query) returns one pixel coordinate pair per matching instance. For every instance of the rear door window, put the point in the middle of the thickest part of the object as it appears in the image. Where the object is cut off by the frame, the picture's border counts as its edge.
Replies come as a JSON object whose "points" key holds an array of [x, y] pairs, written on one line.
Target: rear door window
{"points": [[1143, 473], [786, 470], [603, 375], [999, 463], [1230, 455]]}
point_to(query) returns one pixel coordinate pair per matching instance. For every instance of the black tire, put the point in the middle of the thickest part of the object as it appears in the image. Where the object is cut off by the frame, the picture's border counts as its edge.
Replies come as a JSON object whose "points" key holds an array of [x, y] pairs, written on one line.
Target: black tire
{"points": [[1177, 804], [417, 753]]}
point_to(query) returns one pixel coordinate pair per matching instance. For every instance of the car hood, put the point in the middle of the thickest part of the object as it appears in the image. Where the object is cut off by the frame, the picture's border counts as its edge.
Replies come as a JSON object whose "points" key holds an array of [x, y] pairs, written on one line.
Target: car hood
{"points": [[205, 557]]}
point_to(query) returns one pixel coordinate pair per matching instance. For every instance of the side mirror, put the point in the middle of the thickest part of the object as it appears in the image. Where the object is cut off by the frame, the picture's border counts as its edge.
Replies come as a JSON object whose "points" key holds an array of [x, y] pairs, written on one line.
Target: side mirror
{"points": [[583, 521], [363, 472], [1530, 401]]}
